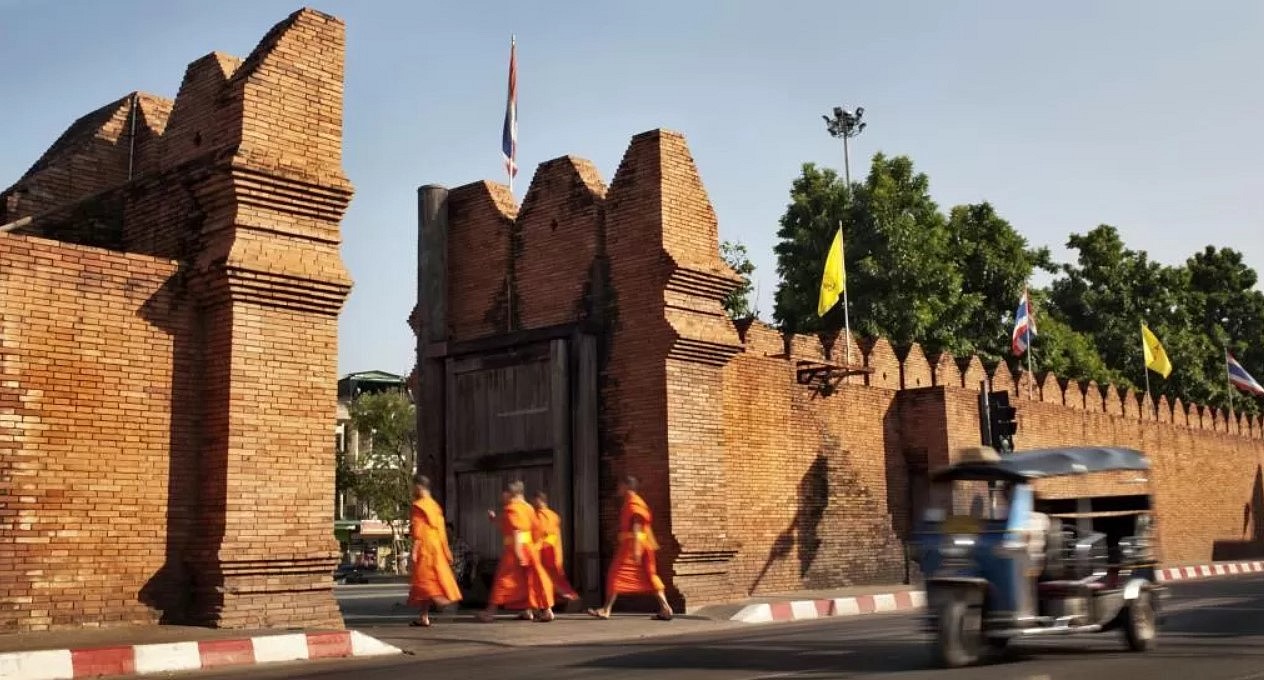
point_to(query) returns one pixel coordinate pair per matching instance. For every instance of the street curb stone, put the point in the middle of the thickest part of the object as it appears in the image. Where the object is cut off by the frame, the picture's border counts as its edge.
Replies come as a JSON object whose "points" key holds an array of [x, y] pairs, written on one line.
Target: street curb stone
{"points": [[806, 610], [92, 662]]}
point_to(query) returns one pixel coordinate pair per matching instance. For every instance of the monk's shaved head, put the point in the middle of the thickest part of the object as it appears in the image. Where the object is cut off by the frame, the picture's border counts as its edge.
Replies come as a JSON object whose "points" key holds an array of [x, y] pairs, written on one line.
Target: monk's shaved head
{"points": [[541, 496], [516, 487], [421, 481], [631, 482]]}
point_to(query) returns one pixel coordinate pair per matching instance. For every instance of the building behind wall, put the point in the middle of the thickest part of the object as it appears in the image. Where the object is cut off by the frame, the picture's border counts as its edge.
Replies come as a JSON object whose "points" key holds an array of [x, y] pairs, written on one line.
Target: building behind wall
{"points": [[170, 285], [580, 336]]}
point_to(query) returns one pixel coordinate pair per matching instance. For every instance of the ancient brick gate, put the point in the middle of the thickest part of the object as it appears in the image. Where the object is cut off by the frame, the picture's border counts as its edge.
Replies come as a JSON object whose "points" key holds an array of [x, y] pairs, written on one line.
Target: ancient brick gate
{"points": [[504, 403], [759, 482], [525, 411], [169, 301]]}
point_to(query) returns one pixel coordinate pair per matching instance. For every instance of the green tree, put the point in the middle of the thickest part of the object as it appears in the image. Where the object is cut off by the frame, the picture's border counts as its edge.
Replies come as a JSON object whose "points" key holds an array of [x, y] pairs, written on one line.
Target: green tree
{"points": [[995, 263], [904, 284], [818, 204], [387, 425], [738, 303], [344, 476], [1111, 290], [1065, 351], [901, 281], [1229, 311]]}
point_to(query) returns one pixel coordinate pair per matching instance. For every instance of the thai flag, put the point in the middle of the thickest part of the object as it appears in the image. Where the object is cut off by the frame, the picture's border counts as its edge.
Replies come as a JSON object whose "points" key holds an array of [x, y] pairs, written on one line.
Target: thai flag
{"points": [[1024, 325], [1240, 379], [509, 135]]}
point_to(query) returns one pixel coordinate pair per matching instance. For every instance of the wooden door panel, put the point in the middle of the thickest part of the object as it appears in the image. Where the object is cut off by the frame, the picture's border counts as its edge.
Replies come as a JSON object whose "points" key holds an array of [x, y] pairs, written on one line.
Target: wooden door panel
{"points": [[479, 491]]}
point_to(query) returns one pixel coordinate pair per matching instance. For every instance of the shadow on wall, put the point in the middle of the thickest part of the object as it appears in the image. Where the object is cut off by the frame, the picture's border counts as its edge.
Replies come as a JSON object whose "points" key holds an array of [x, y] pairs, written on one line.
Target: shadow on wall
{"points": [[170, 590], [803, 532], [1251, 545]]}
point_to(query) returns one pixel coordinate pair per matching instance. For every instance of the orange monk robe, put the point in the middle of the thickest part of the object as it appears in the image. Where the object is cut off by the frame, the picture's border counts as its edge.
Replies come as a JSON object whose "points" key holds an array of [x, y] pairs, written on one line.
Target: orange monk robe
{"points": [[517, 585], [432, 577], [628, 575], [549, 538]]}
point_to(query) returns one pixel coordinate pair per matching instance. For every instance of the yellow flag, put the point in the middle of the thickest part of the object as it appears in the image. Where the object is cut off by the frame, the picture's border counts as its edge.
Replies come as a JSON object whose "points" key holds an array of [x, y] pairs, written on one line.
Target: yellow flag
{"points": [[834, 279], [1155, 357]]}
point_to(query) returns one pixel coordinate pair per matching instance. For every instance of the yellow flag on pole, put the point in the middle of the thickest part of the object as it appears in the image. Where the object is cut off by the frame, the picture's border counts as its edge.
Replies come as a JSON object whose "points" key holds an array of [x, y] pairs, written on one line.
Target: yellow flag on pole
{"points": [[834, 279], [1155, 357]]}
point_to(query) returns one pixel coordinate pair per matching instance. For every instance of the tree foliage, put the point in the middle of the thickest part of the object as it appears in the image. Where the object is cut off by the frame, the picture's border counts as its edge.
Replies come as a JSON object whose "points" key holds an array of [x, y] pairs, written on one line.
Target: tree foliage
{"points": [[952, 282], [995, 263], [818, 204], [382, 477], [901, 281], [738, 303]]}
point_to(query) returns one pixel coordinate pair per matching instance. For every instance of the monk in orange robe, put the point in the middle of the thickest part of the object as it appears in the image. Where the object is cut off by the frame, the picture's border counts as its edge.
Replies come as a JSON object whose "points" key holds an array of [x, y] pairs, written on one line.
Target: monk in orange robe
{"points": [[521, 581], [634, 569], [549, 540], [432, 581]]}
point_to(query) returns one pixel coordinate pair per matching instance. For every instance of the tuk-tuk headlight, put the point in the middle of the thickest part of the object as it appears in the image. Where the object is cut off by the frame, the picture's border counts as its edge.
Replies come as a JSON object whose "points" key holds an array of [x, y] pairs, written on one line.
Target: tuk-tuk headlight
{"points": [[957, 546]]}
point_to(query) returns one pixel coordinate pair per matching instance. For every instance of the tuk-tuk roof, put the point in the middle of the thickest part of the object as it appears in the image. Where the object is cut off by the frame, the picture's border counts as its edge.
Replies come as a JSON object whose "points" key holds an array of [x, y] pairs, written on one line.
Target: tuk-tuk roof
{"points": [[1051, 462]]}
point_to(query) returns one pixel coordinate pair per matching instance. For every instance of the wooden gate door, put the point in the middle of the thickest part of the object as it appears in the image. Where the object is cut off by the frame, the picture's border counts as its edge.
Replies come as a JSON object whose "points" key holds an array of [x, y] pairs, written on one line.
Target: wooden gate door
{"points": [[528, 412]]}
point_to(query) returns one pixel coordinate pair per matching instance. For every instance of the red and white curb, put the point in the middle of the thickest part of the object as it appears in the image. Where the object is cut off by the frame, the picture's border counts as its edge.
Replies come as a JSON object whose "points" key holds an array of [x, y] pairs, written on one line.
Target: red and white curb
{"points": [[66, 664], [806, 610], [1210, 571]]}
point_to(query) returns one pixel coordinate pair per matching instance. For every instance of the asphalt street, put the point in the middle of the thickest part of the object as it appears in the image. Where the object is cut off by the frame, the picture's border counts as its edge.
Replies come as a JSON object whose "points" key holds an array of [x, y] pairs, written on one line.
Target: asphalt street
{"points": [[1214, 630]]}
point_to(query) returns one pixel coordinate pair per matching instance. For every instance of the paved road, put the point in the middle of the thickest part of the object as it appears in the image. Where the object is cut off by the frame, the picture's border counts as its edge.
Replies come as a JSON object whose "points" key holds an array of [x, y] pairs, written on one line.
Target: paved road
{"points": [[1214, 631], [373, 604]]}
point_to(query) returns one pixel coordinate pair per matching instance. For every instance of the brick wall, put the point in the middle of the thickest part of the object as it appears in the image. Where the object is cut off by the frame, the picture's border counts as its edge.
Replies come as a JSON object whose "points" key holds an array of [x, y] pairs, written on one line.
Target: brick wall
{"points": [[172, 306], [816, 482], [97, 457]]}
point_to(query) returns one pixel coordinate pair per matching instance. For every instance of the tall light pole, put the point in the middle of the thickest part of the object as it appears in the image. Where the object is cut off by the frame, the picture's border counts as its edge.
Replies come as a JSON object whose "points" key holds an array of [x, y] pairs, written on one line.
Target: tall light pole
{"points": [[845, 124]]}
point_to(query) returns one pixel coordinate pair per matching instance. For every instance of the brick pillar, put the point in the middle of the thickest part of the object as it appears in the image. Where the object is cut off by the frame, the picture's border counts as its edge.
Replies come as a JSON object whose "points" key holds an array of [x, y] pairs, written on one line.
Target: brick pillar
{"points": [[270, 283], [664, 377]]}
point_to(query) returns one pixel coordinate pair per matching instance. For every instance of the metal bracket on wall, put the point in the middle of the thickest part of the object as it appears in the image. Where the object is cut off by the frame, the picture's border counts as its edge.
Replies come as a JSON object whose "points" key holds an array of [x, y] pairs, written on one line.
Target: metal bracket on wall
{"points": [[822, 375]]}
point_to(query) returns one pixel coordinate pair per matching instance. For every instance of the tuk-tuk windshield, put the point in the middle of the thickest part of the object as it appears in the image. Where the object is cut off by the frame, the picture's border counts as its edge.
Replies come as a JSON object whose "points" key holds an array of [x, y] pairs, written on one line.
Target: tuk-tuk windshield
{"points": [[975, 503]]}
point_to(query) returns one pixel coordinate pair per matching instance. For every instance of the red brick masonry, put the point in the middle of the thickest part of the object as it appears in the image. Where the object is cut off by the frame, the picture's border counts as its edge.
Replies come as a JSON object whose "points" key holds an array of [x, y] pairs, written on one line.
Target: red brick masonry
{"points": [[168, 342]]}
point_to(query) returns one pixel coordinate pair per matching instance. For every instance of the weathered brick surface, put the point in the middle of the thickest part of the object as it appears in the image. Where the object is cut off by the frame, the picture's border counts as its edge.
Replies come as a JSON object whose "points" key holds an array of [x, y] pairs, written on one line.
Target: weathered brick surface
{"points": [[96, 451], [811, 479], [559, 230], [193, 348], [479, 241], [761, 484], [915, 370]]}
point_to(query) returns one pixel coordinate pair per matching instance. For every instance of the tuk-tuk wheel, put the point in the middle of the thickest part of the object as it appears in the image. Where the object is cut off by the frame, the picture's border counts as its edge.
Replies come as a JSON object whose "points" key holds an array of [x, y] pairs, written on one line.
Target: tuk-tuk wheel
{"points": [[1140, 627], [960, 634]]}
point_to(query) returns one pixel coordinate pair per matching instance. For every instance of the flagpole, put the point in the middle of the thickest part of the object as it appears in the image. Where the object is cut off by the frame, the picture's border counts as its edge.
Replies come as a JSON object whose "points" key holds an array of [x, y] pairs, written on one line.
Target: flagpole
{"points": [[1031, 320], [509, 136], [513, 55], [846, 307], [1144, 368], [1228, 378]]}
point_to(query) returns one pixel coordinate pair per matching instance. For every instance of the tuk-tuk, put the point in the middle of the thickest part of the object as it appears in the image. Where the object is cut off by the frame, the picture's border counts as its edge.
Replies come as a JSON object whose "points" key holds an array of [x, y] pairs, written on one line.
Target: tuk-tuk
{"points": [[1025, 566]]}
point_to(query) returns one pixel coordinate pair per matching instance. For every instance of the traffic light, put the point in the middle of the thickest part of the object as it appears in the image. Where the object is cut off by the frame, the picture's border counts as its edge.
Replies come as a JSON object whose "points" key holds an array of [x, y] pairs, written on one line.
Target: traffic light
{"points": [[1002, 420]]}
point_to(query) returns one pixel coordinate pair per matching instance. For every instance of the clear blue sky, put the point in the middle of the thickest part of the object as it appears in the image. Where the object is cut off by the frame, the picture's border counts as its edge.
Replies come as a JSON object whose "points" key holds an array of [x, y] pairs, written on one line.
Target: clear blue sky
{"points": [[1145, 115]]}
